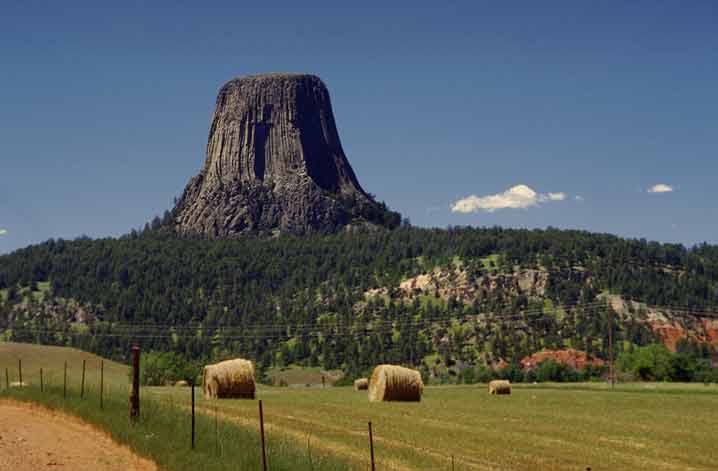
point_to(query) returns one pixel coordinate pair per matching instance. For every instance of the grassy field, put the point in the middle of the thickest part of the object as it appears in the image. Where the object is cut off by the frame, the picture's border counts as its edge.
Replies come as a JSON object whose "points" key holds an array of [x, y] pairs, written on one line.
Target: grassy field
{"points": [[641, 426], [163, 432], [52, 359], [538, 427], [301, 377]]}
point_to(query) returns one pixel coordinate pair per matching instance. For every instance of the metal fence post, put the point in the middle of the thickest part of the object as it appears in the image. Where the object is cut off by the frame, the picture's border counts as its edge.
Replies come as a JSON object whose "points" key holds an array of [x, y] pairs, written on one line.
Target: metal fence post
{"points": [[261, 431], [82, 383], [371, 448], [102, 382]]}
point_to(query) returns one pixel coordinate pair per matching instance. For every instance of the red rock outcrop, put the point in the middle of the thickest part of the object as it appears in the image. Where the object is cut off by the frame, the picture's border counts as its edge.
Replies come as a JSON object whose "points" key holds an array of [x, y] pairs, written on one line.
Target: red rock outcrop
{"points": [[576, 359]]}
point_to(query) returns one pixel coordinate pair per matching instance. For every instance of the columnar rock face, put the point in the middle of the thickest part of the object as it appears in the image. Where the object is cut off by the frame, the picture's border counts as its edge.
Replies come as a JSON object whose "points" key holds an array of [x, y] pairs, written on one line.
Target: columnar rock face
{"points": [[274, 163]]}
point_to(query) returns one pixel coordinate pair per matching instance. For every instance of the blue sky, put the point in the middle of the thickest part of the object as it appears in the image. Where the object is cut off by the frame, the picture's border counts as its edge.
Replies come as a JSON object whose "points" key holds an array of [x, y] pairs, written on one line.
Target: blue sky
{"points": [[105, 110]]}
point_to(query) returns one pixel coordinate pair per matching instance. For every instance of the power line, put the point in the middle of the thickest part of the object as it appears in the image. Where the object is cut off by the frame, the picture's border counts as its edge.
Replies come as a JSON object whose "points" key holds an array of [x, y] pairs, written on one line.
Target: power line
{"points": [[280, 330], [257, 327], [315, 330]]}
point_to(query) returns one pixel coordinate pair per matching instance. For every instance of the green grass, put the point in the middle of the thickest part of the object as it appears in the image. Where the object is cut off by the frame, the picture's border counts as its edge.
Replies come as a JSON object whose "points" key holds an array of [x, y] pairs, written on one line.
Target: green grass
{"points": [[539, 427], [427, 300], [298, 375], [52, 359], [164, 429], [557, 427], [163, 434], [486, 261], [43, 290]]}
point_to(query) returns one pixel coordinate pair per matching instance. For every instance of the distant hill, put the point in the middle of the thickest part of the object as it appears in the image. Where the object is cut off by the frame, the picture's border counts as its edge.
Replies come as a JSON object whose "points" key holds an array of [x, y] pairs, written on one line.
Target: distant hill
{"points": [[438, 299], [52, 360]]}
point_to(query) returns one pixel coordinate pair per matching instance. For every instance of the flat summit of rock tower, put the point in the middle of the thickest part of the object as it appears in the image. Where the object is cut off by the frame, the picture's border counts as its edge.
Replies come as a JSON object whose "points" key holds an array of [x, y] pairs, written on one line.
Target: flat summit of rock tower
{"points": [[275, 163]]}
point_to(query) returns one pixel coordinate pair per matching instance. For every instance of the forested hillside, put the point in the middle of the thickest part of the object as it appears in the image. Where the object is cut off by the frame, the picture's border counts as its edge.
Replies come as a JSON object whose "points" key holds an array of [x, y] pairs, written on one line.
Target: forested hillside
{"points": [[352, 300]]}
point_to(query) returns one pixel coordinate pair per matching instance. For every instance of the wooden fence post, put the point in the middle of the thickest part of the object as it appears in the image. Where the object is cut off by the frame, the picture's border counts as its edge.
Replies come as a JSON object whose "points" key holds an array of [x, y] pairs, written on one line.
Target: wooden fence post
{"points": [[261, 431], [82, 383], [19, 370], [371, 448], [7, 379], [102, 382], [135, 394]]}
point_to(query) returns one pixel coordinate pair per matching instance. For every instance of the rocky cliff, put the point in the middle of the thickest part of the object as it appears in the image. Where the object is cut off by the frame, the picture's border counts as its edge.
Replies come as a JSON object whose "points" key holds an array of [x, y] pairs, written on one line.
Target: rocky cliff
{"points": [[275, 164], [457, 283]]}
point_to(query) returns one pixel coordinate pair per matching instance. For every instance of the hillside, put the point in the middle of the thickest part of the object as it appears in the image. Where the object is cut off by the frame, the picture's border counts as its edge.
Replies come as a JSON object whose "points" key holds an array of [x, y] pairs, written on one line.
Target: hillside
{"points": [[52, 360], [442, 300]]}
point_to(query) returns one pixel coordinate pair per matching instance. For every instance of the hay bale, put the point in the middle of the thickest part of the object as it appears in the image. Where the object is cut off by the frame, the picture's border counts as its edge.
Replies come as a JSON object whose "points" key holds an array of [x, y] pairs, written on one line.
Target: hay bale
{"points": [[361, 384], [500, 386], [395, 383], [229, 379], [181, 384], [18, 384]]}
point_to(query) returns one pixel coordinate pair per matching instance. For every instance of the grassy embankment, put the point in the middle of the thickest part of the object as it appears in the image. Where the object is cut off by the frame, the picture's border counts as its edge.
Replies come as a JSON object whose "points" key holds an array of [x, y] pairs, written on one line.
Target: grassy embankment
{"points": [[163, 431]]}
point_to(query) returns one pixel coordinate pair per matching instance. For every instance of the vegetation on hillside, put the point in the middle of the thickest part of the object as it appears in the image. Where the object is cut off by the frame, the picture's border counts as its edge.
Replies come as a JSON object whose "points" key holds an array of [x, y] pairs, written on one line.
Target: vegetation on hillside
{"points": [[302, 301]]}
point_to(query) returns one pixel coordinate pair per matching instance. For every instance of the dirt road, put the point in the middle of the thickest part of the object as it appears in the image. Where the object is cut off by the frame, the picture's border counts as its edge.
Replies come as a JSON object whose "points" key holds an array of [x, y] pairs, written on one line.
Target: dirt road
{"points": [[34, 438]]}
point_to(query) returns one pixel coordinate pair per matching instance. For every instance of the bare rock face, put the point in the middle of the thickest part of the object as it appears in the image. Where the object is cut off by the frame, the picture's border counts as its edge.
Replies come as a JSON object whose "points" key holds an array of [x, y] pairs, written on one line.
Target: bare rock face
{"points": [[274, 163]]}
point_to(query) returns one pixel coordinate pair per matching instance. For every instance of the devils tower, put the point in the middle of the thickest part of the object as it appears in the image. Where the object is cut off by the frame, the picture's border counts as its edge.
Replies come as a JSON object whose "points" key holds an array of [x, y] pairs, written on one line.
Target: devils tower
{"points": [[275, 164]]}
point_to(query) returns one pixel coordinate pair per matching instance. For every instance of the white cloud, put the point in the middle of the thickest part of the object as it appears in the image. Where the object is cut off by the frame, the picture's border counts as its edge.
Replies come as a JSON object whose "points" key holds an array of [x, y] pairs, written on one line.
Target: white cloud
{"points": [[578, 198], [556, 196], [516, 197], [660, 188], [3, 232]]}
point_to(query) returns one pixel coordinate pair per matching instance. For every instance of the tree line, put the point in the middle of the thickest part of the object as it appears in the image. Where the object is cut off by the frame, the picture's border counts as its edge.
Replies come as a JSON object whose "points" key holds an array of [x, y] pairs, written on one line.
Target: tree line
{"points": [[312, 292]]}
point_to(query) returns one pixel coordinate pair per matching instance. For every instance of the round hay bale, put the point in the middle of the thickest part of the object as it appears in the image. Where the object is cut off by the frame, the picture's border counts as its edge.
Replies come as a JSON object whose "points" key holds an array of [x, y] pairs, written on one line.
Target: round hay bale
{"points": [[500, 386], [395, 383], [361, 384], [18, 384], [229, 379], [181, 384]]}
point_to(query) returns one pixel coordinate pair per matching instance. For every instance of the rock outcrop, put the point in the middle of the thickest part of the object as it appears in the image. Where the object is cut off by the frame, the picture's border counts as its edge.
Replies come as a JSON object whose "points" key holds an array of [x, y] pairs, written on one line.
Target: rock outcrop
{"points": [[576, 359], [274, 164], [669, 325], [444, 284]]}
